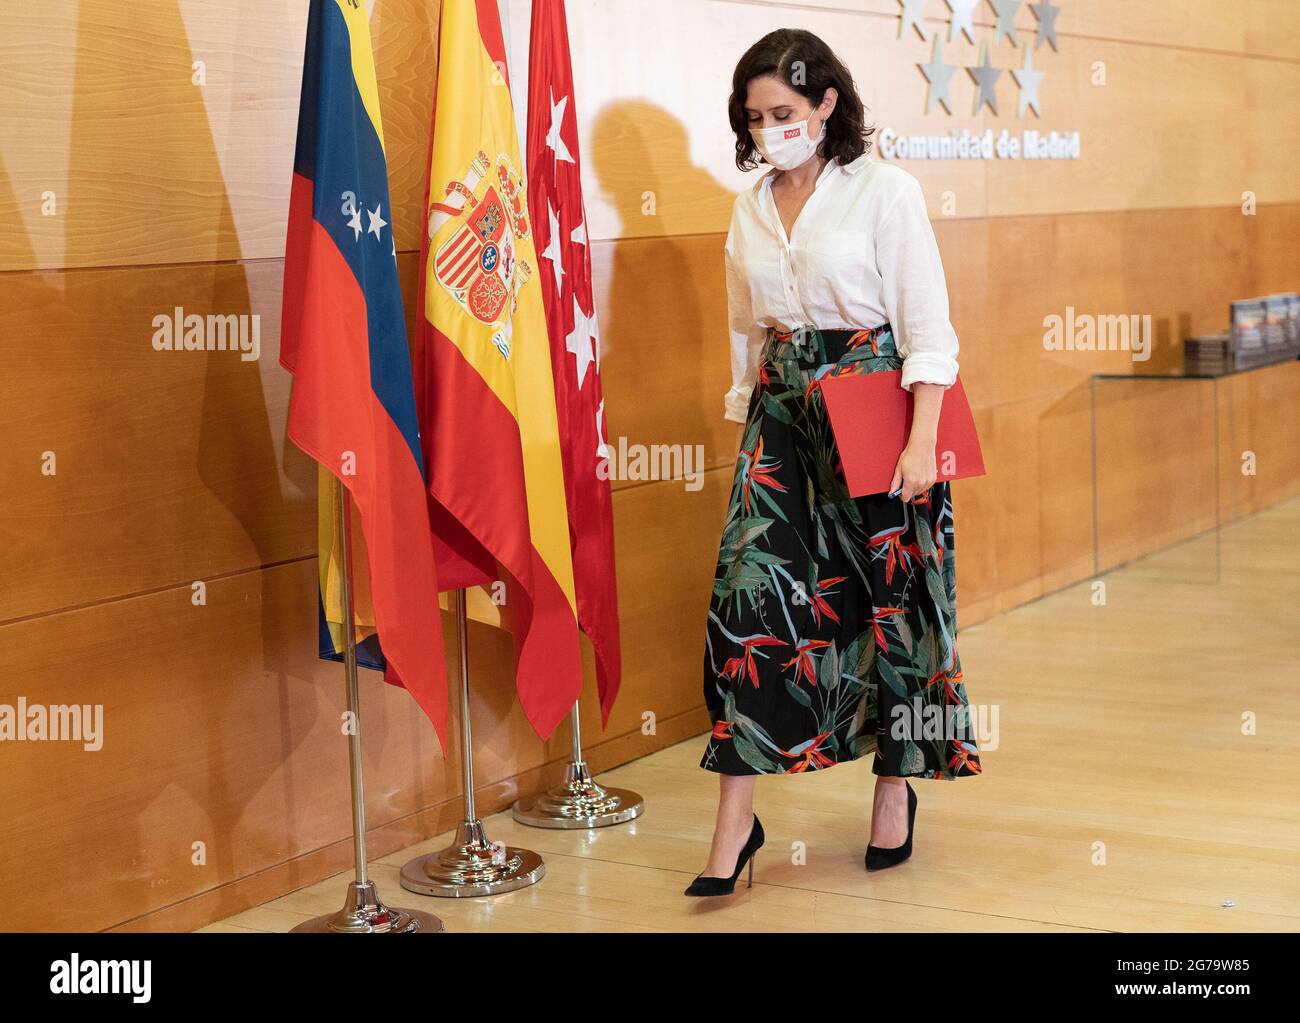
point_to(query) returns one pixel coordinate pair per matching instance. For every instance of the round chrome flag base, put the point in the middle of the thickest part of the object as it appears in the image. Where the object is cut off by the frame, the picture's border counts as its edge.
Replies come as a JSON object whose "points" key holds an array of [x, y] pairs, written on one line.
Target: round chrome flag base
{"points": [[363, 913], [471, 866], [578, 802]]}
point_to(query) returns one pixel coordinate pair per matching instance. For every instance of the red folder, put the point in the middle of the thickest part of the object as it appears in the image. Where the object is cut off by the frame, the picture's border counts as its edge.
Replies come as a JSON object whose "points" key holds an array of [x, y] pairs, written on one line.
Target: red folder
{"points": [[871, 417]]}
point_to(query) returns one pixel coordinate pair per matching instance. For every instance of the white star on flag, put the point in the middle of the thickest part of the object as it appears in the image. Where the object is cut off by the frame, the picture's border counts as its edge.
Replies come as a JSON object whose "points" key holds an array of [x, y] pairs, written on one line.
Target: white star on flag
{"points": [[355, 223], [579, 341], [377, 223], [553, 251], [579, 236], [553, 139]]}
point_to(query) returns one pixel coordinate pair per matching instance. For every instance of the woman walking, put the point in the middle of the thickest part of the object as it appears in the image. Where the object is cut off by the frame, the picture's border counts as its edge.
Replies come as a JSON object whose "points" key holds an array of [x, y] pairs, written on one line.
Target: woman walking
{"points": [[831, 632]]}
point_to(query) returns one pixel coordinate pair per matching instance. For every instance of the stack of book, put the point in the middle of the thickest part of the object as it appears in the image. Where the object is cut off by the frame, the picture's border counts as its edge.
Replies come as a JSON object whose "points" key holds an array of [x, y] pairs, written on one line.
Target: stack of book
{"points": [[1261, 331], [1274, 328], [1208, 356], [1249, 347], [1280, 326]]}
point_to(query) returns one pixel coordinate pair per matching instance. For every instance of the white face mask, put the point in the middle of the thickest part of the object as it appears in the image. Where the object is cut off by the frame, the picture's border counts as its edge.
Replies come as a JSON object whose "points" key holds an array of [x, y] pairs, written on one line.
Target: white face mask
{"points": [[786, 146]]}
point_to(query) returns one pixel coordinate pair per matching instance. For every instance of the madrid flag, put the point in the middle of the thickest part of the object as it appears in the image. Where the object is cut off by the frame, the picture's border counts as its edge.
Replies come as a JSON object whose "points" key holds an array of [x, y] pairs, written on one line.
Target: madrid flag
{"points": [[483, 369], [560, 225], [343, 337]]}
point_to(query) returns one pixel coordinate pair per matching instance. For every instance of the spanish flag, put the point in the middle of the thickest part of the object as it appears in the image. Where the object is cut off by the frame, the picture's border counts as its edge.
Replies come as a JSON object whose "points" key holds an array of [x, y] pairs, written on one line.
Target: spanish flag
{"points": [[343, 337], [483, 369]]}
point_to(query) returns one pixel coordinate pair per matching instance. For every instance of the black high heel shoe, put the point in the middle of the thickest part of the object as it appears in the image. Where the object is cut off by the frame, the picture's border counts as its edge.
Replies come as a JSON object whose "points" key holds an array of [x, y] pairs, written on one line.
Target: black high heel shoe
{"points": [[703, 885], [877, 858]]}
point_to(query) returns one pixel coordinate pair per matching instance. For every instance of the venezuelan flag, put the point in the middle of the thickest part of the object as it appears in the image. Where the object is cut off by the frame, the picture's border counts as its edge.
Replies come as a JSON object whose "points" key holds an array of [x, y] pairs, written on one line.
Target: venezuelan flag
{"points": [[483, 369], [343, 337]]}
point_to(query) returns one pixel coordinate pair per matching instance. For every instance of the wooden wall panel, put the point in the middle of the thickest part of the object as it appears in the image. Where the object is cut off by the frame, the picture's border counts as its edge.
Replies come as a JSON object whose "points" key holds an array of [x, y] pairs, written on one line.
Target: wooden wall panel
{"points": [[667, 548], [194, 171], [1025, 528], [1180, 267], [1155, 465], [180, 189], [1157, 108], [186, 475], [176, 151], [1153, 135], [171, 466], [1255, 27], [1259, 422], [666, 136], [662, 306], [1272, 28], [665, 364], [220, 727]]}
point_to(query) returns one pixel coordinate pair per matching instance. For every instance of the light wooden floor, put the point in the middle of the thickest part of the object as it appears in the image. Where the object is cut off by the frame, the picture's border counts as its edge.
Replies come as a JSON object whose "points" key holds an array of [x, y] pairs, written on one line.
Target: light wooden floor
{"points": [[1122, 794]]}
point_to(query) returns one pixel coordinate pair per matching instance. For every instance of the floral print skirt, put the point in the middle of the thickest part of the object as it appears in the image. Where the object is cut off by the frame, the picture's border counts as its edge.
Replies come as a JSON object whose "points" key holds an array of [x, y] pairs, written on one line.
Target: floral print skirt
{"points": [[832, 627]]}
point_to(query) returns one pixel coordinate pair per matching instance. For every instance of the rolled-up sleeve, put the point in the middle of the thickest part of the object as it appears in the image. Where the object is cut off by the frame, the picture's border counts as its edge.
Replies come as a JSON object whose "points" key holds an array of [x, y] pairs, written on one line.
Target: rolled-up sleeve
{"points": [[915, 292], [746, 337]]}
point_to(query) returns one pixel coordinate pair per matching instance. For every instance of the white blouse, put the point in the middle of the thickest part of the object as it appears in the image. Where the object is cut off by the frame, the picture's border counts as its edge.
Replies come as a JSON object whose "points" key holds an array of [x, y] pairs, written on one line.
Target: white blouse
{"points": [[862, 253]]}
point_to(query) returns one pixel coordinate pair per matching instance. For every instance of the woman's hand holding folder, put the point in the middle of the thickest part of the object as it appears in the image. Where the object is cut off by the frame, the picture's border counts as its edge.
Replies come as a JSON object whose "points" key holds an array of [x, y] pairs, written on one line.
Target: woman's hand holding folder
{"points": [[917, 471], [871, 416]]}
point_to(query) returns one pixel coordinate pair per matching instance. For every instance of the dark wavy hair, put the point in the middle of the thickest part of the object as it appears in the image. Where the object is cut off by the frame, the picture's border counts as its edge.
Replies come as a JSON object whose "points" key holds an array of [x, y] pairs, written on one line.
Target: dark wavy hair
{"points": [[780, 53]]}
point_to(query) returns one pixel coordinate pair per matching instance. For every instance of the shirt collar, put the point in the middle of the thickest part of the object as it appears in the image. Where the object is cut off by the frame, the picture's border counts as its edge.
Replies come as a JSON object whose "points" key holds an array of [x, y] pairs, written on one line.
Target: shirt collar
{"points": [[852, 167]]}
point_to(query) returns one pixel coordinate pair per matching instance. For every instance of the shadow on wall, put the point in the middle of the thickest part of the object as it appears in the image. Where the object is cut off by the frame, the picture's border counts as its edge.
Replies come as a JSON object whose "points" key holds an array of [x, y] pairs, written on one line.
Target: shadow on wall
{"points": [[641, 156]]}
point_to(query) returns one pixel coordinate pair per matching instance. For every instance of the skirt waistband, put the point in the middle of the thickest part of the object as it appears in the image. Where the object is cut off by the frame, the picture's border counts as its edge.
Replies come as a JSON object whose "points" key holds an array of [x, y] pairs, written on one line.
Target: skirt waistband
{"points": [[818, 345]]}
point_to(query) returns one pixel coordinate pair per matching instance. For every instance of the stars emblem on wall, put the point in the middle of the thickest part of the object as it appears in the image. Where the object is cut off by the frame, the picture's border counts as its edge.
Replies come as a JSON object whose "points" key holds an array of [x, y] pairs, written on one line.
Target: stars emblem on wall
{"points": [[913, 11], [986, 78], [985, 75], [1006, 26], [939, 75], [1028, 79], [963, 11], [1045, 11]]}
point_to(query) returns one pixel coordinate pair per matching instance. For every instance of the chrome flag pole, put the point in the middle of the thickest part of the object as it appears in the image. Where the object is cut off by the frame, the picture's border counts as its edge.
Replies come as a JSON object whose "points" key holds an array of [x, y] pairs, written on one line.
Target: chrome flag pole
{"points": [[578, 802], [471, 865], [362, 912]]}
